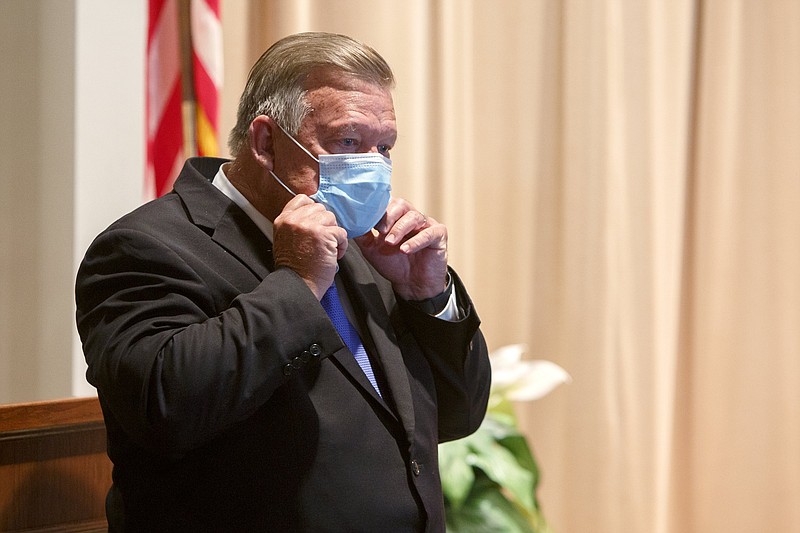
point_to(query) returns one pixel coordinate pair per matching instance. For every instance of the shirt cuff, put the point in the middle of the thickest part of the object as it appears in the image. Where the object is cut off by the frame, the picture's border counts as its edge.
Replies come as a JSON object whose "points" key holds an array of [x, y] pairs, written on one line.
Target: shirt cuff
{"points": [[443, 306]]}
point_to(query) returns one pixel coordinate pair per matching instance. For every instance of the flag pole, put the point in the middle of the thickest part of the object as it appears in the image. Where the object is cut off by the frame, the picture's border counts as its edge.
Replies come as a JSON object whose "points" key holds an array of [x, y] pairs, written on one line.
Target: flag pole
{"points": [[188, 98]]}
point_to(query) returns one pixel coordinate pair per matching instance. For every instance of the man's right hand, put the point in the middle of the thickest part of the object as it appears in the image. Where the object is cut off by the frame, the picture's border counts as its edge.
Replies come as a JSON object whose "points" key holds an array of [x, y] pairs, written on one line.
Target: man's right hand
{"points": [[308, 240]]}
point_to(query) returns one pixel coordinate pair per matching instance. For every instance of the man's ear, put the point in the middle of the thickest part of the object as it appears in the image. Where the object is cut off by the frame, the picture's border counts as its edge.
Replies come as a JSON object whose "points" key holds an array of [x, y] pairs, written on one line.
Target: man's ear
{"points": [[260, 138]]}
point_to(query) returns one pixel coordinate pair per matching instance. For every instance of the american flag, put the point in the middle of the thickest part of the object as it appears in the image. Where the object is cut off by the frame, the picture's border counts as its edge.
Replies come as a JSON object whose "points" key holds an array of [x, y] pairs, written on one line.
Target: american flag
{"points": [[184, 77]]}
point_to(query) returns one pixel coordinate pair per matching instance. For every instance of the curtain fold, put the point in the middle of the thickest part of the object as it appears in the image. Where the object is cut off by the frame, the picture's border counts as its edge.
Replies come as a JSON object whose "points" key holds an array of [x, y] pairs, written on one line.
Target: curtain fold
{"points": [[621, 181]]}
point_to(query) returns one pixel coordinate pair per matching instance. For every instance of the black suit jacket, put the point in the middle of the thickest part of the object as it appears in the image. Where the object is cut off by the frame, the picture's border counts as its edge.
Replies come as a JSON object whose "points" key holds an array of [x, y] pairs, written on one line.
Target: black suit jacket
{"points": [[230, 401]]}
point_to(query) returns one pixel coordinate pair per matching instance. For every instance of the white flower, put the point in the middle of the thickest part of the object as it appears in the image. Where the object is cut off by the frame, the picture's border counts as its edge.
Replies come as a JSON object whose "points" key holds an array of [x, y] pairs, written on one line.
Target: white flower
{"points": [[520, 380]]}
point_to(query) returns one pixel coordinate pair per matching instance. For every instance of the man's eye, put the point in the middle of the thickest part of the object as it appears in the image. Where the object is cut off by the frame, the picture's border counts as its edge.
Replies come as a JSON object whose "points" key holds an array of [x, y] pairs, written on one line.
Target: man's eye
{"points": [[349, 142], [384, 149]]}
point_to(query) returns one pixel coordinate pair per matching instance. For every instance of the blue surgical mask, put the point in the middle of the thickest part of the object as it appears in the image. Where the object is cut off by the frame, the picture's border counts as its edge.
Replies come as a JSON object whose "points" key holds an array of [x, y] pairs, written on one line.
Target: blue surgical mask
{"points": [[354, 187]]}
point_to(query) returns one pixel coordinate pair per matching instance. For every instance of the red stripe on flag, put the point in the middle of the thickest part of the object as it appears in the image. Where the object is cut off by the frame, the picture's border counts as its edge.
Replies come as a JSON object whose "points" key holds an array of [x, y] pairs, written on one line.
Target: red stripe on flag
{"points": [[167, 142], [154, 10], [163, 113], [205, 91], [214, 6]]}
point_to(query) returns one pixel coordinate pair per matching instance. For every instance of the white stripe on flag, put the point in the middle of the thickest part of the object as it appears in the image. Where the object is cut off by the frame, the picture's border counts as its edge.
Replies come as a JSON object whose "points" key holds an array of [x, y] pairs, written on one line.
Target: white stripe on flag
{"points": [[207, 39]]}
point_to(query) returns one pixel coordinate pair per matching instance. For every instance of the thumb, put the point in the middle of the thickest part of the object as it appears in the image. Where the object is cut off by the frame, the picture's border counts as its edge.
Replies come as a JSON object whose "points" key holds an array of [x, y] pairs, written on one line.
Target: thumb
{"points": [[368, 240]]}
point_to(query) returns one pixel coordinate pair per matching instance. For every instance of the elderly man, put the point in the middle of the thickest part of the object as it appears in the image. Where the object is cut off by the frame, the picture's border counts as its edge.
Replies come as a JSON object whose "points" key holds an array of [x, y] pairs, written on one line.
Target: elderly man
{"points": [[278, 344]]}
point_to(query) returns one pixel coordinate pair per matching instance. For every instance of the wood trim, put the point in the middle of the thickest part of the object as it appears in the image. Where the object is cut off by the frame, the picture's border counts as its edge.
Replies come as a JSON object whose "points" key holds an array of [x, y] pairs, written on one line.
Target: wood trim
{"points": [[89, 526], [54, 471], [49, 415]]}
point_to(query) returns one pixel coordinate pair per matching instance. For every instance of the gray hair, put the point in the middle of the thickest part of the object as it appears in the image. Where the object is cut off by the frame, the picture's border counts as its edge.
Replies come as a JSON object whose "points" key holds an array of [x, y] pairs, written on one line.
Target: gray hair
{"points": [[275, 85]]}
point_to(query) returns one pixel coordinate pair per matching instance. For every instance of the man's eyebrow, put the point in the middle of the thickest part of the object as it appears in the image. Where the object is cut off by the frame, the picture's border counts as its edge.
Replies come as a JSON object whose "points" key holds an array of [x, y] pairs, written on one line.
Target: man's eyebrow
{"points": [[348, 127]]}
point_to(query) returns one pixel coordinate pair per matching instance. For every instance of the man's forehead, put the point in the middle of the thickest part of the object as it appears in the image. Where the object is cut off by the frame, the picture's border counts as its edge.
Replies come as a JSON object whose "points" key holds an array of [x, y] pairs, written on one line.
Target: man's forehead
{"points": [[349, 107], [338, 79]]}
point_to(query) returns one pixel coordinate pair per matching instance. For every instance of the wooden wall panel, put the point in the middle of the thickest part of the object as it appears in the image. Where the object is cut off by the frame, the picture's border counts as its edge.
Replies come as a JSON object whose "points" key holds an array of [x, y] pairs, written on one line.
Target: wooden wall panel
{"points": [[54, 471]]}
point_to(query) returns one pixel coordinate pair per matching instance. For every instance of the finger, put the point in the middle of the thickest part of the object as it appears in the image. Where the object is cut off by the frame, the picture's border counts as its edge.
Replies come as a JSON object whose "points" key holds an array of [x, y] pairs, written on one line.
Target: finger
{"points": [[341, 241], [306, 212], [410, 223], [397, 208], [320, 215], [294, 208], [433, 237], [297, 202]]}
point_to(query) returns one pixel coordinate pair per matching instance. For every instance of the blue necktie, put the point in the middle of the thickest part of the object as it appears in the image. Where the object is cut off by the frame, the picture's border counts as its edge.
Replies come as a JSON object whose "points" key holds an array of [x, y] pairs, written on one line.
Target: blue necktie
{"points": [[330, 302]]}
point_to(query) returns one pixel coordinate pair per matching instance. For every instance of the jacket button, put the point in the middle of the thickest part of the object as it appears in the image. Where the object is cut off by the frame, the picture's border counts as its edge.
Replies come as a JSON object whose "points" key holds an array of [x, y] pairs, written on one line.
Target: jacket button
{"points": [[416, 468], [305, 356], [287, 369], [296, 362], [315, 350]]}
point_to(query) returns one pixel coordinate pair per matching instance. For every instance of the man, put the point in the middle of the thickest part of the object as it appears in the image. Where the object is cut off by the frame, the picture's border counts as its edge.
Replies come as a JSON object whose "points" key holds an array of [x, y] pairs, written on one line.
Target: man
{"points": [[209, 322]]}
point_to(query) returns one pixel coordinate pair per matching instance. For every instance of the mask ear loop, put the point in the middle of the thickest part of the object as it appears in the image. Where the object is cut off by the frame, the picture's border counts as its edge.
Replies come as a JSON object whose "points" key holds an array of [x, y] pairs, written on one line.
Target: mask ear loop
{"points": [[303, 148], [295, 141], [290, 191]]}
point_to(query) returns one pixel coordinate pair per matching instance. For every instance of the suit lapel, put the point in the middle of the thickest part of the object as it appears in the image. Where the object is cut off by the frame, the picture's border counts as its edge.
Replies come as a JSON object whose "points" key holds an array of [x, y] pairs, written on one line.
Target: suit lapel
{"points": [[365, 296], [348, 364], [221, 218], [254, 250]]}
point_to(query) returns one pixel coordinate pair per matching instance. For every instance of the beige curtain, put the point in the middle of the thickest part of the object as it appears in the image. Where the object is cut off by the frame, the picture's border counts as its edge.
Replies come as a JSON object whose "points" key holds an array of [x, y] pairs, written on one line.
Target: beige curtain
{"points": [[621, 180]]}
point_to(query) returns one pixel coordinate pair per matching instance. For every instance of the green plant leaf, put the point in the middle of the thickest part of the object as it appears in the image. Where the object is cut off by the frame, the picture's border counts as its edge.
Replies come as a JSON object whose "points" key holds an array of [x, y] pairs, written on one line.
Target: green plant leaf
{"points": [[487, 511], [455, 471], [500, 426], [500, 465], [518, 446]]}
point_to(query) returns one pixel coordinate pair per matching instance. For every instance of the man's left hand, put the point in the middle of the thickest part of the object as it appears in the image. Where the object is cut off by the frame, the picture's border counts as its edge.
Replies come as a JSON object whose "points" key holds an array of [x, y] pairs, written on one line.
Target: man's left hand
{"points": [[410, 250]]}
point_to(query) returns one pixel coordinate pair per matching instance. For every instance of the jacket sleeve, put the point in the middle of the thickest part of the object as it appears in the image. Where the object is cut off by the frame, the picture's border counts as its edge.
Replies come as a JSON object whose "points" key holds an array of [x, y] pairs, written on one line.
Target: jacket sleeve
{"points": [[174, 363], [458, 357]]}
